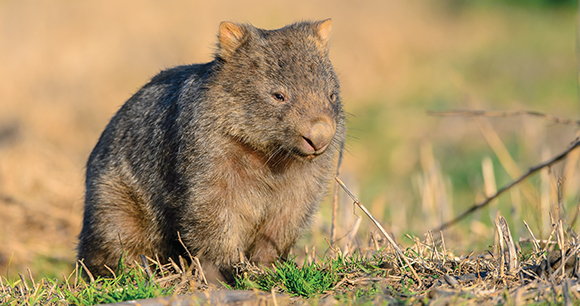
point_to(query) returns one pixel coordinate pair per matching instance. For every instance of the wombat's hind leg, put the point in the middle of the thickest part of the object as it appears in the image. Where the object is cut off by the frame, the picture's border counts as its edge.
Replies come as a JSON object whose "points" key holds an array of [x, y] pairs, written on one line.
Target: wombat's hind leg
{"points": [[121, 222]]}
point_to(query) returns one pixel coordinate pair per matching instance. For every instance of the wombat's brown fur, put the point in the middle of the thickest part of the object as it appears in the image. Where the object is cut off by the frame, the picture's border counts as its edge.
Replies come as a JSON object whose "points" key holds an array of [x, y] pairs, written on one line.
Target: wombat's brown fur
{"points": [[234, 154]]}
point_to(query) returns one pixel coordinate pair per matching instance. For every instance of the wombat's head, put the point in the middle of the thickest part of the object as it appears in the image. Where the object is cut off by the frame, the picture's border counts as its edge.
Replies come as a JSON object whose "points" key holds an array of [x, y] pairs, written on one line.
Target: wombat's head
{"points": [[281, 90]]}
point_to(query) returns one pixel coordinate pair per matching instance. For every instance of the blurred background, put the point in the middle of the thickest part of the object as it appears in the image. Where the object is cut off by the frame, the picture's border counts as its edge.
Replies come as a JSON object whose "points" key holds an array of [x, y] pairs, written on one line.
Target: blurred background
{"points": [[67, 66]]}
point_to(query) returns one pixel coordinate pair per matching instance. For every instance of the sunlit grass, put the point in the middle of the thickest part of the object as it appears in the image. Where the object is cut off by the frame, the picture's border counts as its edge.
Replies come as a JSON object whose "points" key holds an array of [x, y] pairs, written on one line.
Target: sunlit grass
{"points": [[128, 284]]}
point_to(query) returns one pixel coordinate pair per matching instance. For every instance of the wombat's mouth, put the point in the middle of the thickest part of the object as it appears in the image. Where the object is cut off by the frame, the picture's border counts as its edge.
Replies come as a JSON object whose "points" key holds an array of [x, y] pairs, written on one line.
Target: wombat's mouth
{"points": [[307, 151], [311, 156], [316, 140], [309, 148], [303, 155]]}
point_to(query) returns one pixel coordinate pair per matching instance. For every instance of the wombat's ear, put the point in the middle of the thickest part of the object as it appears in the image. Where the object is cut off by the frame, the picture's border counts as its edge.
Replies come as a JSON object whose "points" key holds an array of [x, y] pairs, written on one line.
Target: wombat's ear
{"points": [[322, 29], [231, 36]]}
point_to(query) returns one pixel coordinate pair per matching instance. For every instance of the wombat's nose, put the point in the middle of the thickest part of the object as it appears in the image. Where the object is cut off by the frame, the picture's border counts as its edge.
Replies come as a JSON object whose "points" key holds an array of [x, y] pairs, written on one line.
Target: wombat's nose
{"points": [[318, 138]]}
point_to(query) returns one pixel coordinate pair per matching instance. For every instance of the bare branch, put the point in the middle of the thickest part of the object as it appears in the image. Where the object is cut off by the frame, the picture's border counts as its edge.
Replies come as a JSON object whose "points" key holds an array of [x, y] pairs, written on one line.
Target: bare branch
{"points": [[484, 113], [530, 171]]}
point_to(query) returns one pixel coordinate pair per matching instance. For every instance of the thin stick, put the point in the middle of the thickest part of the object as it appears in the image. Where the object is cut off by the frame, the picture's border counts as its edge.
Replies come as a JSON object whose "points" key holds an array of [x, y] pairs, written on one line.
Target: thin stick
{"points": [[193, 259], [513, 183], [175, 266], [76, 274], [145, 265], [30, 276], [399, 253], [111, 270], [501, 248], [335, 198], [183, 244], [159, 265], [49, 294], [200, 270], [181, 263], [88, 272], [24, 283], [537, 240], [534, 240], [443, 246], [548, 244], [66, 282], [564, 259], [561, 239], [484, 113], [509, 241]]}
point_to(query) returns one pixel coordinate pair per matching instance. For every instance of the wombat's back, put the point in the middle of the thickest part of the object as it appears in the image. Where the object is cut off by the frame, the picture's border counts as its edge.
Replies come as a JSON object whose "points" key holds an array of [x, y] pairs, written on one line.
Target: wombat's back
{"points": [[234, 154], [133, 178]]}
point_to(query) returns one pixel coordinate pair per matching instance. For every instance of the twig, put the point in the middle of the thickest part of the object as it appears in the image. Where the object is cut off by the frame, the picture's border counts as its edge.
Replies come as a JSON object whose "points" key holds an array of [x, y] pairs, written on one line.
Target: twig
{"points": [[537, 241], [183, 244], [200, 270], [398, 251], [171, 277], [329, 246], [193, 259], [31, 278], [443, 246], [547, 246], [145, 265], [484, 113], [501, 248], [49, 294], [88, 272], [564, 260], [561, 240], [509, 241], [159, 265], [534, 240], [175, 266], [66, 282], [76, 272], [24, 283], [335, 197], [530, 171], [111, 270], [181, 263]]}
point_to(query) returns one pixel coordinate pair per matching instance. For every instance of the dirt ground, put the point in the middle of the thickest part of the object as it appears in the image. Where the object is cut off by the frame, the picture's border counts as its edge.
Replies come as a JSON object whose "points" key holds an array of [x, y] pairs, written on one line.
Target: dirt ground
{"points": [[67, 66]]}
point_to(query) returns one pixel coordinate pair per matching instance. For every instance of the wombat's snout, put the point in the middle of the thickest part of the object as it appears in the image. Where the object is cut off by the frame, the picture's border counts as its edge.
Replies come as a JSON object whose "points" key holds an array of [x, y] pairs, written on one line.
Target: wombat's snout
{"points": [[317, 139]]}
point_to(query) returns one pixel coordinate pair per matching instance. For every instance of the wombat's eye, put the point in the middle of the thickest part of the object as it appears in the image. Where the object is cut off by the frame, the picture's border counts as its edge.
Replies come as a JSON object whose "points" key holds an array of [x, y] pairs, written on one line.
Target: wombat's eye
{"points": [[332, 97], [279, 96]]}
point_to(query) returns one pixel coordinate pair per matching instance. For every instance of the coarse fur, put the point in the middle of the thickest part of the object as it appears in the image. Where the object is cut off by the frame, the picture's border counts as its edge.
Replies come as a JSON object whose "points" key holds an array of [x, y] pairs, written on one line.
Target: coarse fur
{"points": [[228, 153]]}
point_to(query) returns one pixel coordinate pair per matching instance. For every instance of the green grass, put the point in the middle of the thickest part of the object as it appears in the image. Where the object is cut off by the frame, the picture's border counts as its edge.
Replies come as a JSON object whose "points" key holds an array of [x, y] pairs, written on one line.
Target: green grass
{"points": [[128, 284], [317, 278], [132, 285], [306, 281], [372, 277]]}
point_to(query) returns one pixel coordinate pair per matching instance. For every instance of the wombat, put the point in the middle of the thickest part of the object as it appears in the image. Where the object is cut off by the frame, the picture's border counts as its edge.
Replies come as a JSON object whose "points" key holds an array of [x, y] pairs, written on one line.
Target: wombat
{"points": [[234, 154]]}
